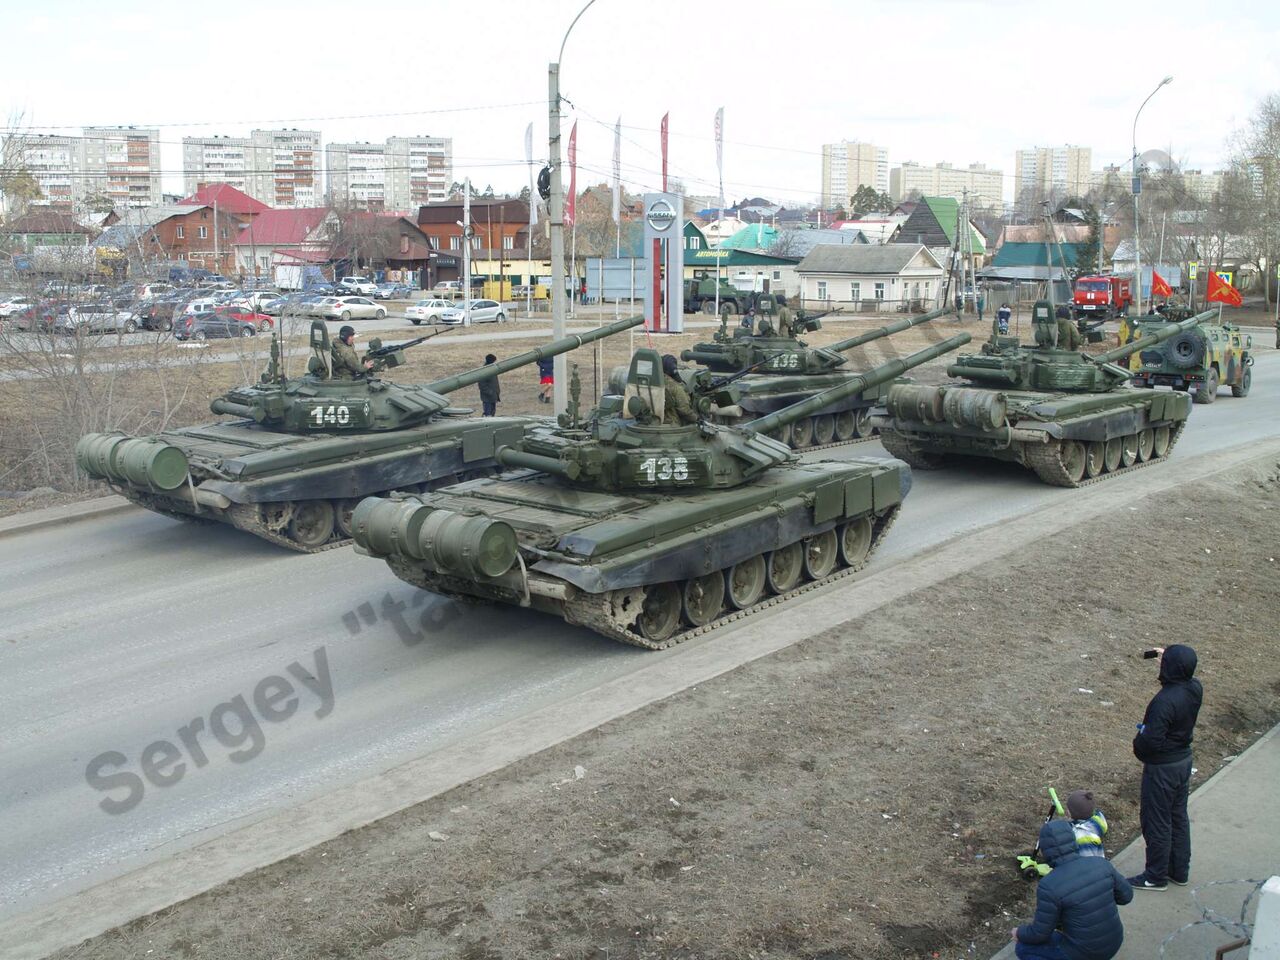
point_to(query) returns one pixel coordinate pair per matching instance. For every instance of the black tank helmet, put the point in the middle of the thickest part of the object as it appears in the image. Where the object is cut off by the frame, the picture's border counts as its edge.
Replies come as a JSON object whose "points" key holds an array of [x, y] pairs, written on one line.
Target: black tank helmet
{"points": [[346, 331]]}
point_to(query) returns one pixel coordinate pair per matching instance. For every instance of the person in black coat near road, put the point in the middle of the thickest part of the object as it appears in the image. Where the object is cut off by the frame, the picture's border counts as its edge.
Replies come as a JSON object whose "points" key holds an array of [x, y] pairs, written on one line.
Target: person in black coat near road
{"points": [[1076, 916], [1163, 744], [490, 394]]}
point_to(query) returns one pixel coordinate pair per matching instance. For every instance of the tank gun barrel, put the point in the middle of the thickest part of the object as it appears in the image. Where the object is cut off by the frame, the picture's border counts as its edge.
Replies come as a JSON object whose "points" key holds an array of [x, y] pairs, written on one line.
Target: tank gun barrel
{"points": [[873, 377], [1151, 339], [552, 349], [889, 328], [511, 457], [231, 408]]}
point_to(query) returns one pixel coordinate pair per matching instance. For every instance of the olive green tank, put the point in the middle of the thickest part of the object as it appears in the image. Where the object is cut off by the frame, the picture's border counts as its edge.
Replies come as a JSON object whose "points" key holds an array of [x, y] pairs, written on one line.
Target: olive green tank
{"points": [[774, 369], [1067, 415], [302, 451], [647, 532]]}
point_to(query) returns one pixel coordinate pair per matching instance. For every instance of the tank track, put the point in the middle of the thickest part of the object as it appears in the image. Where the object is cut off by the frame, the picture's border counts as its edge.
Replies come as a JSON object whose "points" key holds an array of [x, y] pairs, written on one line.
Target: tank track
{"points": [[589, 610], [1044, 459], [904, 450], [244, 516]]}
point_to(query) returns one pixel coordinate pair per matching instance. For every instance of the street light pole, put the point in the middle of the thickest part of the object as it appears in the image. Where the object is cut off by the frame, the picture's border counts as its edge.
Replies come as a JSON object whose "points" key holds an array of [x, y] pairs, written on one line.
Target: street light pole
{"points": [[1137, 188], [555, 210]]}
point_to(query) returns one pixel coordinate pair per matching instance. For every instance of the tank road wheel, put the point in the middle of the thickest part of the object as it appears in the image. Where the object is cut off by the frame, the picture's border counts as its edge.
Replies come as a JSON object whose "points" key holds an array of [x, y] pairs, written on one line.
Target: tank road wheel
{"points": [[342, 510], [1209, 391], [1095, 457], [820, 555], [802, 433], [1242, 390], [783, 567], [1074, 458], [782, 434], [855, 541], [745, 583], [276, 516], [1146, 443], [704, 598], [1129, 450], [824, 428], [312, 523], [1160, 442], [660, 612], [1111, 454], [862, 419], [846, 425]]}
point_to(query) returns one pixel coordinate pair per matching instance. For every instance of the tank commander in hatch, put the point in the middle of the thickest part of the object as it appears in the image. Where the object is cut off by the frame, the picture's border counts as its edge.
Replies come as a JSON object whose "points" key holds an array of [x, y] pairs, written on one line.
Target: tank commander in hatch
{"points": [[346, 364], [1069, 337], [677, 408]]}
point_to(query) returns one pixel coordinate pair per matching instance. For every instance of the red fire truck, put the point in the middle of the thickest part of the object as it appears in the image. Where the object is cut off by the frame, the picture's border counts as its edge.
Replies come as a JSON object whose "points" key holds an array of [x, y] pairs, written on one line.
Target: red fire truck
{"points": [[1101, 297]]}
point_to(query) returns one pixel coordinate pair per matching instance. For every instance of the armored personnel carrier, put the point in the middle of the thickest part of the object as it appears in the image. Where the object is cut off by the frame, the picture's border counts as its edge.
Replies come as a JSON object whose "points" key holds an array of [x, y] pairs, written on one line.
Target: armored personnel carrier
{"points": [[1201, 360], [1065, 414], [303, 451], [644, 532], [779, 369]]}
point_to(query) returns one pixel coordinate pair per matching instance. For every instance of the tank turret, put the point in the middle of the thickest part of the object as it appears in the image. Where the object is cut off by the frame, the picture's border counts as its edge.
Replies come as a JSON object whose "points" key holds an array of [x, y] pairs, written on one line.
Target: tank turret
{"points": [[318, 402]]}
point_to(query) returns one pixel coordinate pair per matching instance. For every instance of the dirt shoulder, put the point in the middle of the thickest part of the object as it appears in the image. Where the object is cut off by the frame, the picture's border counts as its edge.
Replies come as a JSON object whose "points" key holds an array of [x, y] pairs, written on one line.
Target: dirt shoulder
{"points": [[860, 794]]}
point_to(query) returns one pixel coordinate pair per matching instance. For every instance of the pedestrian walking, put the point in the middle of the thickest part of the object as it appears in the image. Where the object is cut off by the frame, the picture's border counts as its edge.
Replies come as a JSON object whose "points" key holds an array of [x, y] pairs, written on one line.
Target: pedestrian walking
{"points": [[1163, 744], [490, 394], [546, 379], [1003, 316], [1076, 916], [981, 304]]}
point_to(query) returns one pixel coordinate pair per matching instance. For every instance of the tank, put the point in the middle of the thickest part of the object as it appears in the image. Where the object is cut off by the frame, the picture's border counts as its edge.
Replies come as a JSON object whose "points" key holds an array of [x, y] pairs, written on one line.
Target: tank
{"points": [[302, 451], [643, 532], [776, 369], [1069, 416]]}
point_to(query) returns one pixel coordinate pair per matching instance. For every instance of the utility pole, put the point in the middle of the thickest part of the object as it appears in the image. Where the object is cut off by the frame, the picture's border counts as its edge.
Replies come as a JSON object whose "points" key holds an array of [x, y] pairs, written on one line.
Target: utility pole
{"points": [[466, 252], [1137, 189]]}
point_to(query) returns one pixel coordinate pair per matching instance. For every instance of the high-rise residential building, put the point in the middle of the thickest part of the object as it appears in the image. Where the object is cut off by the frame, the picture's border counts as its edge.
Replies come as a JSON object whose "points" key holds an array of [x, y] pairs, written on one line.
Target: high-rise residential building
{"points": [[56, 163], [357, 175], [848, 165], [1045, 169], [123, 165], [284, 170], [1203, 186], [419, 170], [983, 185], [216, 159]]}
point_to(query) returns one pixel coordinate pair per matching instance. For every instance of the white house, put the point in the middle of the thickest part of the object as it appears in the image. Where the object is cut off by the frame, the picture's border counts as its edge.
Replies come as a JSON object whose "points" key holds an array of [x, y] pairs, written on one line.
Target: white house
{"points": [[894, 277]]}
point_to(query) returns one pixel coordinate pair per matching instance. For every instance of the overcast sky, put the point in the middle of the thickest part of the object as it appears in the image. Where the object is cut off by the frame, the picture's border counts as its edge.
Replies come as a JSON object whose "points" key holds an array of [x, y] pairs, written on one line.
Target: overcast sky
{"points": [[931, 80]]}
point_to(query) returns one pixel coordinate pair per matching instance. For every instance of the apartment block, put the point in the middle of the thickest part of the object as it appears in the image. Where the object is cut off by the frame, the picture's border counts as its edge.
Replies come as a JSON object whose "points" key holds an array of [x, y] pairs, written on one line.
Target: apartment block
{"points": [[284, 170], [357, 175], [216, 159], [1203, 186], [55, 162], [1044, 169], [848, 165], [982, 184], [123, 164], [419, 170]]}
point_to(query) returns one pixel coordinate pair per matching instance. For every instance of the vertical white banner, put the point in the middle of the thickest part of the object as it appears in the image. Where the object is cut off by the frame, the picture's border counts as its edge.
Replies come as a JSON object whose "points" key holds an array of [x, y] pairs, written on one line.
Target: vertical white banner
{"points": [[617, 171], [720, 151], [533, 194]]}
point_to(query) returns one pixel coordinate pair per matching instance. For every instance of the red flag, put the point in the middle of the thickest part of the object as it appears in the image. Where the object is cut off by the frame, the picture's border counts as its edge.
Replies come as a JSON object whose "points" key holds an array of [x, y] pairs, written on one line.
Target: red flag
{"points": [[664, 151], [1223, 292], [571, 206], [1159, 288]]}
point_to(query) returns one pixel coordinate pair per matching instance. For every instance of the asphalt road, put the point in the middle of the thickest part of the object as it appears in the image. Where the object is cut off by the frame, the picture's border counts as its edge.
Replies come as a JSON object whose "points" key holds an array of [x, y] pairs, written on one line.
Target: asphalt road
{"points": [[135, 635]]}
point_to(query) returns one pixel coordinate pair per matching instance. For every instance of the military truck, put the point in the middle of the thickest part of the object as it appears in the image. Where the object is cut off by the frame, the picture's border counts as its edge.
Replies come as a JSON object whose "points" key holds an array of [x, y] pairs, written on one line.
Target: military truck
{"points": [[700, 295], [1199, 360]]}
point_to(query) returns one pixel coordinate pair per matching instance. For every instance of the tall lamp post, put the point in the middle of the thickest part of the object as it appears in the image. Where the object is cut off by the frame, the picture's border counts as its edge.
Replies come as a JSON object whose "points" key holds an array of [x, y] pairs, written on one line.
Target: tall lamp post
{"points": [[560, 389], [1137, 189]]}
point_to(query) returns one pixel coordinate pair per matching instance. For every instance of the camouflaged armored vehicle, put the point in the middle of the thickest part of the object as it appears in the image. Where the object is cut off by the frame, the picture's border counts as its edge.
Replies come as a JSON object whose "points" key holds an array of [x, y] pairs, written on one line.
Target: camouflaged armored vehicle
{"points": [[1066, 415], [302, 451], [1199, 361], [644, 532], [778, 369]]}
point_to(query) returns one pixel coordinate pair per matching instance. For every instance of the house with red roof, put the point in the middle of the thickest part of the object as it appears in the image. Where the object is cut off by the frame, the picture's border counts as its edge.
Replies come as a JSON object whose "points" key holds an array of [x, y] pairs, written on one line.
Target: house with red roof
{"points": [[290, 238], [227, 199]]}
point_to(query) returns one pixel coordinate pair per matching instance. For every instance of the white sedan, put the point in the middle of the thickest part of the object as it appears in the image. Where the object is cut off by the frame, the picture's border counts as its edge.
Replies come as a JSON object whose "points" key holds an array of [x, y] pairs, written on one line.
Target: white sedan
{"points": [[348, 308], [11, 305], [482, 311], [429, 310]]}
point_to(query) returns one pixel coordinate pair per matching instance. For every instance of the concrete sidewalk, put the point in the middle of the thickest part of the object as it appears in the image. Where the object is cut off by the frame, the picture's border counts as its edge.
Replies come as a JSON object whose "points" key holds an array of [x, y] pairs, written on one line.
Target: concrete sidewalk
{"points": [[1235, 836]]}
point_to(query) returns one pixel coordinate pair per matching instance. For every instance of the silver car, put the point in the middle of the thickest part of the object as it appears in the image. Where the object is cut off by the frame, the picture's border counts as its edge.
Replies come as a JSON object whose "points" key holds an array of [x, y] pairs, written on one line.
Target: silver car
{"points": [[349, 308], [428, 310], [98, 318], [482, 311]]}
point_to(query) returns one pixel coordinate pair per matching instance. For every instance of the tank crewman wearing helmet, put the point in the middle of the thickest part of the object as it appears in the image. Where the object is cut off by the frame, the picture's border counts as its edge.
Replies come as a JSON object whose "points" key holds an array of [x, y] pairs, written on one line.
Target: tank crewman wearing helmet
{"points": [[1069, 337], [677, 408], [784, 322], [346, 364]]}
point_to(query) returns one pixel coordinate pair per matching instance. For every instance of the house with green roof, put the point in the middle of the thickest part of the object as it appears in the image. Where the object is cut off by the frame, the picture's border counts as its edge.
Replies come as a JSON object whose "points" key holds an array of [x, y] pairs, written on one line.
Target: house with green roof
{"points": [[933, 224]]}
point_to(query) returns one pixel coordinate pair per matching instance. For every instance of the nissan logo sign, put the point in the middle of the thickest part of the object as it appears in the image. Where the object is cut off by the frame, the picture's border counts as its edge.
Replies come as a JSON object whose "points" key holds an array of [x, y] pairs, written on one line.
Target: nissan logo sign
{"points": [[660, 215]]}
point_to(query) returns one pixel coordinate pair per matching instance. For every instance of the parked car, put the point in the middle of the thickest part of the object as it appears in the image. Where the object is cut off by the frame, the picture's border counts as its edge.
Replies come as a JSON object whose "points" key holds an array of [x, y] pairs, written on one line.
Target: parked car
{"points": [[360, 285], [11, 305], [394, 291], [482, 311], [448, 288], [255, 299], [223, 323], [349, 308], [428, 310], [200, 305], [40, 317], [158, 314], [101, 317]]}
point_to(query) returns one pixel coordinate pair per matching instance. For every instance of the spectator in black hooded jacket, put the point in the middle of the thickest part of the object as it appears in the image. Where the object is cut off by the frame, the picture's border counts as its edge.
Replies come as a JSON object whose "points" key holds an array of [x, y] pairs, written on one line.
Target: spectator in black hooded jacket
{"points": [[1076, 916], [1163, 744]]}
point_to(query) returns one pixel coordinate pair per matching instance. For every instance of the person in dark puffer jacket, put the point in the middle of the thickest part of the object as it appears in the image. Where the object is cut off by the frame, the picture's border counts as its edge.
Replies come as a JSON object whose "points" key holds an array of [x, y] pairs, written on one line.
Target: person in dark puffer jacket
{"points": [[1163, 744], [1076, 916]]}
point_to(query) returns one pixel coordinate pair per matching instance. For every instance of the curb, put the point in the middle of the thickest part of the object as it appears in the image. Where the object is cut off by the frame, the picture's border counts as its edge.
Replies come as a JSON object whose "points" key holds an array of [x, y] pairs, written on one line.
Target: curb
{"points": [[69, 513], [283, 833]]}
